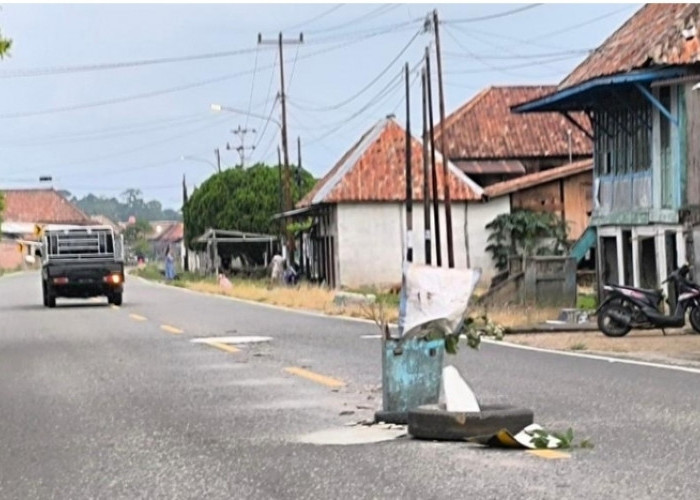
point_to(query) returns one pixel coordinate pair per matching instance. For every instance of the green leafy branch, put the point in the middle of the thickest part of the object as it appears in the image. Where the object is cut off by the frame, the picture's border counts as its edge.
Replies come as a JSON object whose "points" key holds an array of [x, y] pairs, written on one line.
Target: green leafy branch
{"points": [[541, 439]]}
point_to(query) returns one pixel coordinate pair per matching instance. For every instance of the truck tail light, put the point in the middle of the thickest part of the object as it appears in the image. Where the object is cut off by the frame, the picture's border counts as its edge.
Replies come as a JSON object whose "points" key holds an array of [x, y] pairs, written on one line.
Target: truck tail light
{"points": [[60, 280], [115, 279]]}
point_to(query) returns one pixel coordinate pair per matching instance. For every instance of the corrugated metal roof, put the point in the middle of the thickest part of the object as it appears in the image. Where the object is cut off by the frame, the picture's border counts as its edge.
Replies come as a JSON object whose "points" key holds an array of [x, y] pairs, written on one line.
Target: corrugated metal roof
{"points": [[485, 128], [530, 180], [656, 35]]}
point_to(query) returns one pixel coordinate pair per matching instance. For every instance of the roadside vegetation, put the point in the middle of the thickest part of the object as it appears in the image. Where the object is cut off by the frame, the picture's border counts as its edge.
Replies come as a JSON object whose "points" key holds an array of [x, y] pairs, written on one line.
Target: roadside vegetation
{"points": [[321, 299]]}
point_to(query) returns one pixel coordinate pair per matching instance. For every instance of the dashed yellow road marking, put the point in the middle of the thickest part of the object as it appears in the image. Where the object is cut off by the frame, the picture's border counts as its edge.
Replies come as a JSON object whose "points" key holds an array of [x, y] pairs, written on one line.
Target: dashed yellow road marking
{"points": [[224, 347], [549, 454], [170, 329], [138, 317], [315, 377]]}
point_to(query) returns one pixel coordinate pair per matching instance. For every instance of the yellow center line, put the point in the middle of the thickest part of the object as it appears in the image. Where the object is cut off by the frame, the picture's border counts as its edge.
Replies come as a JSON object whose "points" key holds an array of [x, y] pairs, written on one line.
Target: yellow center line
{"points": [[224, 347], [315, 377], [138, 317], [170, 329], [549, 454]]}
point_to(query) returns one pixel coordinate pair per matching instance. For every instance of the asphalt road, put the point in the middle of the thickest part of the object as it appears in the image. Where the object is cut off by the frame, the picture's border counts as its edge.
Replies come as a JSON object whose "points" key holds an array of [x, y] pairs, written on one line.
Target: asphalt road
{"points": [[102, 402]]}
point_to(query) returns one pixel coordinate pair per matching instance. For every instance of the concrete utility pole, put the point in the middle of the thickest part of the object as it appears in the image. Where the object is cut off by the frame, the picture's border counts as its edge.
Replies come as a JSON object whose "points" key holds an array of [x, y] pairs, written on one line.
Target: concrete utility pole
{"points": [[285, 149], [443, 149], [426, 172], [433, 163], [242, 148], [409, 175]]}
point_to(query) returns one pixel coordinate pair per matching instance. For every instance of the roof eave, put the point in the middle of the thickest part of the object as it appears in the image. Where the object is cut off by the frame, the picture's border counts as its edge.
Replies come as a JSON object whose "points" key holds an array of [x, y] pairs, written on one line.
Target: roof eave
{"points": [[571, 98]]}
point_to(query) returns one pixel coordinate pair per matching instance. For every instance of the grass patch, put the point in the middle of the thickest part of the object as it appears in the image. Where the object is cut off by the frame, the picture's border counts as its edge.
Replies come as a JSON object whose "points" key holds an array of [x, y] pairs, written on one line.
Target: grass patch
{"points": [[579, 346], [586, 301], [513, 316]]}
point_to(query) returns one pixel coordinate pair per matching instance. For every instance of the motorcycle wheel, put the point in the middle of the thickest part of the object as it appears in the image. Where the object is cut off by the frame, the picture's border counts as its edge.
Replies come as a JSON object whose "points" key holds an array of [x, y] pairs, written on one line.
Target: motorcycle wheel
{"points": [[695, 319], [610, 326]]}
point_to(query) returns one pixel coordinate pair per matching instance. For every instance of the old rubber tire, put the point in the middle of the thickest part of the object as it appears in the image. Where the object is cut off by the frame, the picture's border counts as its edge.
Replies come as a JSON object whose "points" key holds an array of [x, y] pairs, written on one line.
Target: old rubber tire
{"points": [[434, 422], [609, 326], [694, 317]]}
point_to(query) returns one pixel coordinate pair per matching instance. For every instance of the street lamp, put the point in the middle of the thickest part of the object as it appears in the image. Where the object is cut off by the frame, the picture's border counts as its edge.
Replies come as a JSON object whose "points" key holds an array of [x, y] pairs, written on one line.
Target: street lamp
{"points": [[202, 160]]}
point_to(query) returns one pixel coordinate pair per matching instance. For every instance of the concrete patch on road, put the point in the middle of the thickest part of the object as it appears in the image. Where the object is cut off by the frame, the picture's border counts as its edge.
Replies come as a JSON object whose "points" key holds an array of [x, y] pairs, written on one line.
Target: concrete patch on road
{"points": [[354, 435], [232, 340]]}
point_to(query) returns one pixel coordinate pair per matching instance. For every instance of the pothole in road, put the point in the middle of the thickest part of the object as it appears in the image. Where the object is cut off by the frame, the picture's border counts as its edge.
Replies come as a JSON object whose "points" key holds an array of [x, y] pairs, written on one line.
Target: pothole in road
{"points": [[360, 434]]}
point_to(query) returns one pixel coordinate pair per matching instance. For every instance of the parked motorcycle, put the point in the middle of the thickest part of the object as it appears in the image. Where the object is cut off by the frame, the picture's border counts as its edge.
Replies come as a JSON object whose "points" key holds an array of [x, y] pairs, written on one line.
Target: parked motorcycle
{"points": [[627, 307]]}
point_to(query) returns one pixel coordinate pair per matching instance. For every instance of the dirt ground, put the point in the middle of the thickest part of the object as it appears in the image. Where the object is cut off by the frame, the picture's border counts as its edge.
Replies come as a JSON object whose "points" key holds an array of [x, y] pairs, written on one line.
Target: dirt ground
{"points": [[677, 346]]}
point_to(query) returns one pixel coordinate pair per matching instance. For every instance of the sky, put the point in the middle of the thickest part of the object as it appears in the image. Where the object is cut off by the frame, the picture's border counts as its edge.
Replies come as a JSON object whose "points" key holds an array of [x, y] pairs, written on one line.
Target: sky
{"points": [[103, 98]]}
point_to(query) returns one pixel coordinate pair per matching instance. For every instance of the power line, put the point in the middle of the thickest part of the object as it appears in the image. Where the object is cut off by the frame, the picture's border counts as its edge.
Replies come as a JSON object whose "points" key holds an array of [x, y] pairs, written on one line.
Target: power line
{"points": [[369, 85], [26, 73], [180, 88], [579, 25], [131, 150], [294, 66], [509, 67], [491, 16], [88, 134], [323, 14], [520, 56], [488, 64], [374, 13], [252, 85]]}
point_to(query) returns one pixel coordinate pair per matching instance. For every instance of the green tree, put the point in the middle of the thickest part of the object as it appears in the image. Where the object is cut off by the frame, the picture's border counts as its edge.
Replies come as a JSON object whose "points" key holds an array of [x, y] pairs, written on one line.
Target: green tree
{"points": [[242, 199], [5, 45], [137, 231]]}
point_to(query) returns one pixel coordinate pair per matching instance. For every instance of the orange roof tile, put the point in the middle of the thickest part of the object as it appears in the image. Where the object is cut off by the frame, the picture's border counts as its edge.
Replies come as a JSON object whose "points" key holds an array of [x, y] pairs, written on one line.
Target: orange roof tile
{"points": [[485, 127], [537, 178], [374, 169], [657, 34], [43, 206]]}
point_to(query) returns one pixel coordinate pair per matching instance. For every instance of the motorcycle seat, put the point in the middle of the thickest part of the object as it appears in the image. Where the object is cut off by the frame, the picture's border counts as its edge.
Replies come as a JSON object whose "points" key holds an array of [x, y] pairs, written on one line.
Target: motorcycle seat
{"points": [[646, 291]]}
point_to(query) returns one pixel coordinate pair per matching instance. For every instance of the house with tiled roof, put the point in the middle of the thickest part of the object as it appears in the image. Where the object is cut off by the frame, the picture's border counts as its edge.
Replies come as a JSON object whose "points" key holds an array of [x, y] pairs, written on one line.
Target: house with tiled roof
{"points": [[640, 91], [24, 209], [359, 210], [490, 143]]}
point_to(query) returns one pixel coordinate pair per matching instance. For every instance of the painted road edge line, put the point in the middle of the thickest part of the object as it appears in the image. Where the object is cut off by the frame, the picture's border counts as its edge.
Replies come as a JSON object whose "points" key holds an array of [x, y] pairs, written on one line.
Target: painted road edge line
{"points": [[597, 357], [315, 377], [171, 329], [138, 317], [370, 322]]}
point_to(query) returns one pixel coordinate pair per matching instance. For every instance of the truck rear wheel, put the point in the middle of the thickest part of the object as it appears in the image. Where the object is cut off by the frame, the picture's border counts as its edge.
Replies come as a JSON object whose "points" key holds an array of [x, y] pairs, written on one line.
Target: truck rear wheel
{"points": [[115, 298], [49, 297]]}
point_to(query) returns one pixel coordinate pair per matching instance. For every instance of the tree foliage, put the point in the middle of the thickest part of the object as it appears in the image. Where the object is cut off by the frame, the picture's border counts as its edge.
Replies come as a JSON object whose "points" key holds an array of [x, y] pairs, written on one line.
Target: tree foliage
{"points": [[5, 45], [241, 199], [132, 204], [523, 232]]}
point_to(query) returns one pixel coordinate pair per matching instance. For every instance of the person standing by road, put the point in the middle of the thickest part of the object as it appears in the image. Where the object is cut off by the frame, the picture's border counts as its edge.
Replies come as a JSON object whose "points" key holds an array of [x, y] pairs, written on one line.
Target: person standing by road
{"points": [[169, 265]]}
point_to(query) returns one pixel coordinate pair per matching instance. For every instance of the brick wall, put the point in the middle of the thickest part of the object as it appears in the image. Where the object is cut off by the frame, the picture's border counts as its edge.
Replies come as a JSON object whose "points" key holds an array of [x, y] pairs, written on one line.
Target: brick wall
{"points": [[10, 258]]}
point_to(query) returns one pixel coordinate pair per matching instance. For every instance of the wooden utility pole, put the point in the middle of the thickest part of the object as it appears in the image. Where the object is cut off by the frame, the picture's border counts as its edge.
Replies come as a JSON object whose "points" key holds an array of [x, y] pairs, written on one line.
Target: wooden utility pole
{"points": [[218, 159], [426, 172], [285, 149], [443, 148], [409, 176], [433, 163], [186, 265]]}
